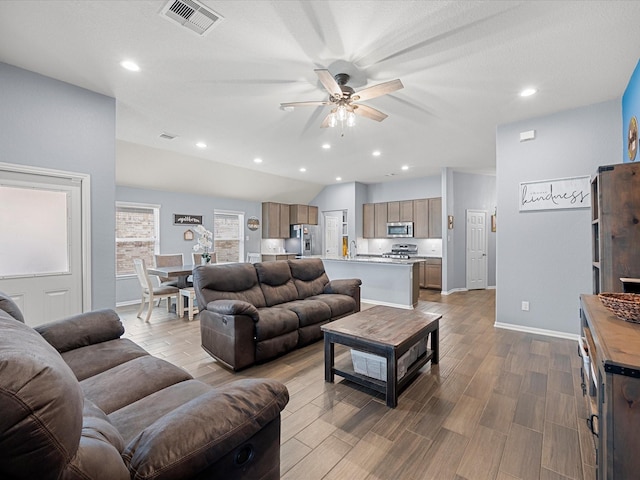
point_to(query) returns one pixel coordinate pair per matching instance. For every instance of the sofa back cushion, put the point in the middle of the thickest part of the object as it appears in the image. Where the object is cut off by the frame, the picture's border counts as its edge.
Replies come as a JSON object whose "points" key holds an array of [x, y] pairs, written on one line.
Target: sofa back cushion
{"points": [[276, 282], [8, 305], [235, 281], [309, 276], [41, 404]]}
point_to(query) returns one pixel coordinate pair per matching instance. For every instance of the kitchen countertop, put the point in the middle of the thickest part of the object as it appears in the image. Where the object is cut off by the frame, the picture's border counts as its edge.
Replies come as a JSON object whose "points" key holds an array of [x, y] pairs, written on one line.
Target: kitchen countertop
{"points": [[377, 260]]}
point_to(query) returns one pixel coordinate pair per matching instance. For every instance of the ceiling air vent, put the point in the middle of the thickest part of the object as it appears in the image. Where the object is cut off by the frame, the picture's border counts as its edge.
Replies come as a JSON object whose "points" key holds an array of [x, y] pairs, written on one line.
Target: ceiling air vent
{"points": [[167, 136], [192, 15]]}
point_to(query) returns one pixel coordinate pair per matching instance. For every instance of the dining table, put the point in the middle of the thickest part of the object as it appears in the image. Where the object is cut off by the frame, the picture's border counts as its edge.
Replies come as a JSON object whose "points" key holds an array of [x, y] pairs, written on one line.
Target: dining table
{"points": [[182, 272]]}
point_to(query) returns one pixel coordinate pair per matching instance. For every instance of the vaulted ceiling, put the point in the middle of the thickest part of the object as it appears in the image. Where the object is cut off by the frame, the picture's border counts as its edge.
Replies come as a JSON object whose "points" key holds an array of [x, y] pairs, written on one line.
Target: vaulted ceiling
{"points": [[462, 63]]}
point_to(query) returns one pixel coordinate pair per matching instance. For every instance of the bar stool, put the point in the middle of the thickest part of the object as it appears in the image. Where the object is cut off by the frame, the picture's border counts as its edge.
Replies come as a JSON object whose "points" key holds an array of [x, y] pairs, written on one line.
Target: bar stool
{"points": [[190, 308]]}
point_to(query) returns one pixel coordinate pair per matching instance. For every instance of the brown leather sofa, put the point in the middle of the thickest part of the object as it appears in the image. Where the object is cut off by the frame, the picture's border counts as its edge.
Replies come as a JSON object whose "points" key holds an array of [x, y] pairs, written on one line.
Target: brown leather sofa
{"points": [[251, 313], [79, 402]]}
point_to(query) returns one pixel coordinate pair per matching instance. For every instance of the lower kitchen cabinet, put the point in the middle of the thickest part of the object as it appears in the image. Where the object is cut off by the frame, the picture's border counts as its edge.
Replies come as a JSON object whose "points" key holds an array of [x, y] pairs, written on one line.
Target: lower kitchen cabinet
{"points": [[612, 386], [431, 273], [272, 257]]}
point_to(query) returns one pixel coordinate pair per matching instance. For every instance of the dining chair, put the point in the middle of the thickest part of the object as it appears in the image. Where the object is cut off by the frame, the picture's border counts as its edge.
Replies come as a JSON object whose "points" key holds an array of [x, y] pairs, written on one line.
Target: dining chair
{"points": [[169, 260], [151, 292], [197, 258]]}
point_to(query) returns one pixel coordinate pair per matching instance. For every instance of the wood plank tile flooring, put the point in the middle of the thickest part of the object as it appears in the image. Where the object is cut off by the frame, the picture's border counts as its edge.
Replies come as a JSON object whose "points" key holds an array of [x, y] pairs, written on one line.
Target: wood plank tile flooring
{"points": [[500, 405]]}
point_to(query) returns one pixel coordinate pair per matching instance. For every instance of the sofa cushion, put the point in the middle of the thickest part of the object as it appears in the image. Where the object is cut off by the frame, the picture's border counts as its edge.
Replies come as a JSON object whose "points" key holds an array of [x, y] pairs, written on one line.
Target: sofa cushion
{"points": [[309, 311], [235, 281], [130, 381], [339, 304], [275, 321], [88, 361], [40, 403], [8, 305], [131, 419], [276, 282], [309, 276]]}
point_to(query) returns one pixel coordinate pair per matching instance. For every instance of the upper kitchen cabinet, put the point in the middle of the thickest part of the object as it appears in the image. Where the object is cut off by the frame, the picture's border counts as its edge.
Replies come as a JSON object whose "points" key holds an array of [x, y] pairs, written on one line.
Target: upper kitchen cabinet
{"points": [[380, 225], [435, 217], [400, 211], [368, 220], [427, 218], [275, 220], [303, 215]]}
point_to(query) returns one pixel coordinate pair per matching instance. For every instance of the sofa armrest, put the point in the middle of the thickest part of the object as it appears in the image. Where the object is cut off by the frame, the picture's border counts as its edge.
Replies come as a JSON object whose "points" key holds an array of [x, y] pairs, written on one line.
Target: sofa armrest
{"points": [[81, 330], [348, 286], [194, 436], [234, 307]]}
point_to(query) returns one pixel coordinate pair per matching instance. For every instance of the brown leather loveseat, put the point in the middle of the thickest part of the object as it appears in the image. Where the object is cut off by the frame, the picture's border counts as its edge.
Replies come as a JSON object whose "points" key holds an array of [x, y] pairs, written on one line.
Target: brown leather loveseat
{"points": [[79, 402], [251, 313]]}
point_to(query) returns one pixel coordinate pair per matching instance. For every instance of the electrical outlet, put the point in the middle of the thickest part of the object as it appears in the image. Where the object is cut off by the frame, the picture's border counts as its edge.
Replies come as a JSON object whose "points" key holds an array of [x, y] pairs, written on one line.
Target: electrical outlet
{"points": [[525, 306]]}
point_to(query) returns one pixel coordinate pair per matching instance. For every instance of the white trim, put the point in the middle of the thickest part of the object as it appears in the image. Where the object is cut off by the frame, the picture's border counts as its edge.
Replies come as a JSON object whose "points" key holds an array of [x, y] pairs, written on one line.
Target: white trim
{"points": [[491, 287], [537, 331], [387, 304], [85, 217], [127, 303], [137, 205], [454, 290]]}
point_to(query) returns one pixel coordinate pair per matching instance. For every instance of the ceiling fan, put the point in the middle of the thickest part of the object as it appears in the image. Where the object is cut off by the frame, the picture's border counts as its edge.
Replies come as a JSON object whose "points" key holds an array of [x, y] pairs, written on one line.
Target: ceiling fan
{"points": [[345, 100]]}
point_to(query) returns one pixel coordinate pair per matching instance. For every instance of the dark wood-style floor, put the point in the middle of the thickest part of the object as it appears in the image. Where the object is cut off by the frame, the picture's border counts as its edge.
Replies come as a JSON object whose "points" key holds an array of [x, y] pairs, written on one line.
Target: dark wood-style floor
{"points": [[500, 405]]}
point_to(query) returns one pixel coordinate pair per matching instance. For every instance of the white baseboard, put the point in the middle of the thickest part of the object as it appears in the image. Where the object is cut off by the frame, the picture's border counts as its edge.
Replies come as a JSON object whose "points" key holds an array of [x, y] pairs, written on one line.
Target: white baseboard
{"points": [[453, 290], [537, 331], [491, 287], [127, 303], [386, 304]]}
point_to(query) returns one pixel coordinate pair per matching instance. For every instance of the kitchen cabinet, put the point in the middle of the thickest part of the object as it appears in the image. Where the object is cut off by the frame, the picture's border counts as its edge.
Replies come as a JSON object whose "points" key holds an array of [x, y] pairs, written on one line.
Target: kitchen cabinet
{"points": [[272, 257], [431, 273], [427, 218], [275, 220], [368, 221], [613, 396], [303, 215], [400, 211], [380, 225], [435, 217]]}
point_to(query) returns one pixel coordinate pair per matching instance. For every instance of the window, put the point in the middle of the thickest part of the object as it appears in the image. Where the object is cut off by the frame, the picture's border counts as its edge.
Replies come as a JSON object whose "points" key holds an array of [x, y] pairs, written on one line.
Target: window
{"points": [[137, 235], [228, 236]]}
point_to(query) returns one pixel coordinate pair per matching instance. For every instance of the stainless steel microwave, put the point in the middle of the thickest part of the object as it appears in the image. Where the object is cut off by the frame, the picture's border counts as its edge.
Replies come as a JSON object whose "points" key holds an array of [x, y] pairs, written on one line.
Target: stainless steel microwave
{"points": [[400, 229]]}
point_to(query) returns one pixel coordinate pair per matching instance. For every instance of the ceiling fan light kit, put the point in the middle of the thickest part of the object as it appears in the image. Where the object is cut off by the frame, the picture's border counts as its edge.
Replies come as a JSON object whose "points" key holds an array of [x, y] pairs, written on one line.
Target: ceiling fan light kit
{"points": [[344, 100]]}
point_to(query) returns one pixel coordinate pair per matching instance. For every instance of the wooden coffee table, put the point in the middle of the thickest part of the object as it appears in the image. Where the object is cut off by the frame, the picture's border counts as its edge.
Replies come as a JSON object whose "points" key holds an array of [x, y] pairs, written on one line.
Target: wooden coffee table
{"points": [[387, 332]]}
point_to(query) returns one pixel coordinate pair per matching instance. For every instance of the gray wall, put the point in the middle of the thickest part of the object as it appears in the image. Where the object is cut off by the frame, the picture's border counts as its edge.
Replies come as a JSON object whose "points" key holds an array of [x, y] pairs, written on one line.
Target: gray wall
{"points": [[171, 236], [50, 124], [470, 192], [409, 189], [544, 257]]}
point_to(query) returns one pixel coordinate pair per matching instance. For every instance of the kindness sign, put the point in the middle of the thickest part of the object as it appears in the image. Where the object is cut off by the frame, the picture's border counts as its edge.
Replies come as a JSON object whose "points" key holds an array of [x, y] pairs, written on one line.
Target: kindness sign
{"points": [[562, 193]]}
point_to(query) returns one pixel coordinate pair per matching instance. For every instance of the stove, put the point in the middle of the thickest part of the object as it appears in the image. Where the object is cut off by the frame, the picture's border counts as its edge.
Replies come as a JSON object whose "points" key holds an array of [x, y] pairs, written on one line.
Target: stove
{"points": [[402, 250]]}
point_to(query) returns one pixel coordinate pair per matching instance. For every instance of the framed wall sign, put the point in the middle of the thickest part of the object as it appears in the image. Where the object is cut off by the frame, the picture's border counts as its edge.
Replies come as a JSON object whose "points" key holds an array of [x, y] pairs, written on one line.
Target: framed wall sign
{"points": [[188, 234], [561, 193], [179, 219]]}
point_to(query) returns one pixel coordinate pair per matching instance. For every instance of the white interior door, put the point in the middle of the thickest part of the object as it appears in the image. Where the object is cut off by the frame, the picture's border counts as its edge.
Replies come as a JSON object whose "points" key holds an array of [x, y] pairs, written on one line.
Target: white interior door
{"points": [[332, 235], [41, 244], [476, 249]]}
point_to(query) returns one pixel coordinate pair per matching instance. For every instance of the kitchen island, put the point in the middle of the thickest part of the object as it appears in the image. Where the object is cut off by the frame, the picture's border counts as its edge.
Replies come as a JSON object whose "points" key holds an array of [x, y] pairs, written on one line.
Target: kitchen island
{"points": [[385, 281]]}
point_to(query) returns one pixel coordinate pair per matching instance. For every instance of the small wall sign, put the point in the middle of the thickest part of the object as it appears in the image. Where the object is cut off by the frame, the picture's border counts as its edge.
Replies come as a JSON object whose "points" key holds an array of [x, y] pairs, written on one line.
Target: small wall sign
{"points": [[179, 219], [561, 193], [253, 223], [188, 235]]}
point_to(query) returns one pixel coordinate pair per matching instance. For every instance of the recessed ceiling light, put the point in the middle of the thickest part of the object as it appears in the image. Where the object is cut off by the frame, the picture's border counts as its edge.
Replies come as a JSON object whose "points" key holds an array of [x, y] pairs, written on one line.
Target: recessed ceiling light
{"points": [[257, 160], [129, 65], [405, 167], [527, 92], [201, 145], [376, 153], [326, 146], [338, 179], [302, 169]]}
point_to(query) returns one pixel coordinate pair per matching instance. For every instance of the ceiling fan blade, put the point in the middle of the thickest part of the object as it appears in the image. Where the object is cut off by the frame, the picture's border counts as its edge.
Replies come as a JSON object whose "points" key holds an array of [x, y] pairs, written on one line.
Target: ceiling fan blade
{"points": [[329, 82], [325, 122], [372, 113], [377, 90], [304, 104]]}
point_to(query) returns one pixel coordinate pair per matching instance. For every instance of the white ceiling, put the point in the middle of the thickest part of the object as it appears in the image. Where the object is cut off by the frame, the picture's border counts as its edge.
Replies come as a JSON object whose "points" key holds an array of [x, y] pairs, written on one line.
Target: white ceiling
{"points": [[462, 64]]}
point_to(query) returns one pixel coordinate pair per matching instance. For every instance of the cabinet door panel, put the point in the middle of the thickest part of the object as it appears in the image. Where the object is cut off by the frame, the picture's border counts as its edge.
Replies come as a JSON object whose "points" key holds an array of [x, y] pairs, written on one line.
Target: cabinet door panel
{"points": [[435, 217], [368, 220], [393, 211], [313, 215], [284, 221], [406, 211], [380, 210], [421, 218]]}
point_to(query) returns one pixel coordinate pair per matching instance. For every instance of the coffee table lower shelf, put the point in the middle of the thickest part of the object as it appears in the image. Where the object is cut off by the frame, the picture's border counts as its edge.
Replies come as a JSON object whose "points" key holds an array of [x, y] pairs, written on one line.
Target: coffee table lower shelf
{"points": [[344, 370]]}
